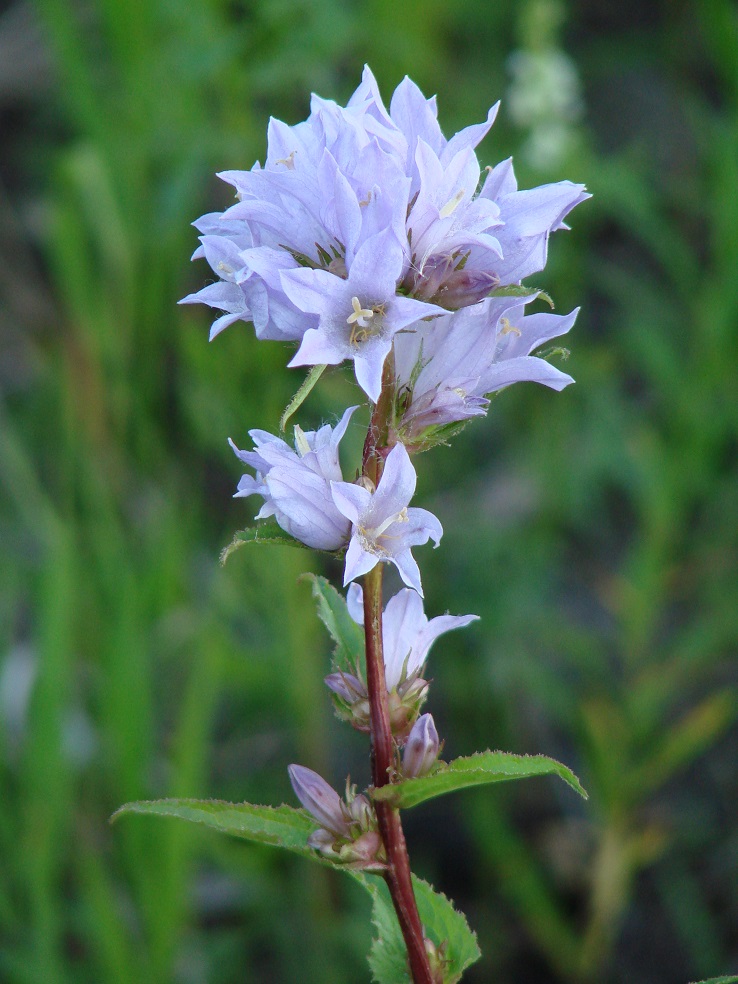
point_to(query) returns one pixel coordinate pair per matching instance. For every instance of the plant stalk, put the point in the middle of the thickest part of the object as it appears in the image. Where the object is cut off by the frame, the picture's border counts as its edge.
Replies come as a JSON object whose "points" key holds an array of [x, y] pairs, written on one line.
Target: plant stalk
{"points": [[398, 874]]}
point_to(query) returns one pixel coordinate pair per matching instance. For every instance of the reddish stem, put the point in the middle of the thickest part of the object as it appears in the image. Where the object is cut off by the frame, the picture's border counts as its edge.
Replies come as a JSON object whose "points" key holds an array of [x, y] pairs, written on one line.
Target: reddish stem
{"points": [[398, 874]]}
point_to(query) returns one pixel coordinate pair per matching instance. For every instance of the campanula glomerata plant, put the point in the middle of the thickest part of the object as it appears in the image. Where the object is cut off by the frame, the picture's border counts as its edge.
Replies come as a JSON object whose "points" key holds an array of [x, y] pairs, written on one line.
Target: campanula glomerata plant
{"points": [[369, 238]]}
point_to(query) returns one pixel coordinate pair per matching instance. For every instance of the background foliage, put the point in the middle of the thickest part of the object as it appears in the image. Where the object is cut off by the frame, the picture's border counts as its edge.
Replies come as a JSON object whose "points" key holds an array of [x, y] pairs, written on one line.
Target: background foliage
{"points": [[594, 531]]}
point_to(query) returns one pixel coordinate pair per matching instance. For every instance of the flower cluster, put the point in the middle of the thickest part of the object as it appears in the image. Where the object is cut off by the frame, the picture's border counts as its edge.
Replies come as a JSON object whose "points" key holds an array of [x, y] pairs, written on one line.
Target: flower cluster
{"points": [[366, 222], [347, 833], [368, 237]]}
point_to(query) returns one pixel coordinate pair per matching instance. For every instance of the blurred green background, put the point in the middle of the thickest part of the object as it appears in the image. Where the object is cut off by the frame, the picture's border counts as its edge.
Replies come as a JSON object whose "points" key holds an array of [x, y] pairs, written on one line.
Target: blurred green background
{"points": [[594, 531]]}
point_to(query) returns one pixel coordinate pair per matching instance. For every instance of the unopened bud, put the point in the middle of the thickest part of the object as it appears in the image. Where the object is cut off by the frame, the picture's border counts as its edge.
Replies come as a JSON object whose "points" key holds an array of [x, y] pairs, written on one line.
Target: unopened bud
{"points": [[350, 699], [437, 959], [347, 686], [365, 853], [422, 748], [320, 799], [443, 282], [360, 810]]}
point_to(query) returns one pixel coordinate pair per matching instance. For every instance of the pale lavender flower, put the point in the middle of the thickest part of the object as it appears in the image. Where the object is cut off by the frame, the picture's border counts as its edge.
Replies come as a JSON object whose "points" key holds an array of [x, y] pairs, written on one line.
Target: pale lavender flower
{"points": [[332, 184], [407, 636], [447, 373], [359, 316], [447, 221], [296, 484], [407, 633], [529, 218], [383, 529], [422, 748]]}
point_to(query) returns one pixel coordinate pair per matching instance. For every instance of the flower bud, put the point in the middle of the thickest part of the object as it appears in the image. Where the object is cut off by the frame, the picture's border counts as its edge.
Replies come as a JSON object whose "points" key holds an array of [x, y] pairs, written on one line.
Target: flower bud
{"points": [[365, 853], [422, 748], [350, 699], [443, 283], [320, 799], [348, 832], [437, 959]]}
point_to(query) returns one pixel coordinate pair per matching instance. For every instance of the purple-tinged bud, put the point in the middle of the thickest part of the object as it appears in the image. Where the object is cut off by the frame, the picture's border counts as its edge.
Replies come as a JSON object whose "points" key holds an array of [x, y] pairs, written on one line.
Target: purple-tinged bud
{"points": [[320, 799], [360, 809], [366, 853], [350, 699], [347, 686], [450, 287], [422, 748], [348, 832]]}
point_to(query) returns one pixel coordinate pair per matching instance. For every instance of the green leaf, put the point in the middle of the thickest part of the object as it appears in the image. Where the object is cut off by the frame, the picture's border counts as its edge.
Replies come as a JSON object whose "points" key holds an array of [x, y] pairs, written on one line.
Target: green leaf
{"points": [[263, 533], [280, 826], [441, 923], [289, 829], [301, 395], [476, 770], [718, 980], [348, 654]]}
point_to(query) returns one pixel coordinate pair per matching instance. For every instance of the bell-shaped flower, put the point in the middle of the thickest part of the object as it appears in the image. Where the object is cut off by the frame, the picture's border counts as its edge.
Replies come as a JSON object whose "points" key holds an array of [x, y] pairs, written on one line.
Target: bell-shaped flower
{"points": [[332, 184], [447, 221], [445, 375], [383, 528], [407, 636], [296, 484], [528, 218], [407, 633], [359, 316]]}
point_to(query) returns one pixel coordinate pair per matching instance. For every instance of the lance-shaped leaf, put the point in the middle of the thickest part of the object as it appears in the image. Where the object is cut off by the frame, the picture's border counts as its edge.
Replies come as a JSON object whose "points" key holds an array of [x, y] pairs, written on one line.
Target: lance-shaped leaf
{"points": [[333, 613], [263, 533], [476, 770], [280, 826], [443, 925], [289, 829]]}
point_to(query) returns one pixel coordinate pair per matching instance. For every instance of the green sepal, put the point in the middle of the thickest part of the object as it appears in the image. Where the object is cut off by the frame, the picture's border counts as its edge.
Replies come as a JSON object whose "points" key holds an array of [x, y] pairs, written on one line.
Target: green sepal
{"points": [[263, 533], [445, 926], [474, 770], [301, 395], [348, 654], [279, 826], [520, 290]]}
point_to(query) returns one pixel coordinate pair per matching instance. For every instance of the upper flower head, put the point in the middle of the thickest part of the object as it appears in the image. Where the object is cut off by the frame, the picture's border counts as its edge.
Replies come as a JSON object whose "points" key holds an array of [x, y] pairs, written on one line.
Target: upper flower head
{"points": [[296, 484], [383, 528], [293, 251]]}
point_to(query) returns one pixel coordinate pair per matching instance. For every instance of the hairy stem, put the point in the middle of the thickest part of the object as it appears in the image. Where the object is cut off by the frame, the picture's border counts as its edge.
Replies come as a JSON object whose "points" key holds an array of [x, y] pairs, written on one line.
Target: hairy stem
{"points": [[398, 875]]}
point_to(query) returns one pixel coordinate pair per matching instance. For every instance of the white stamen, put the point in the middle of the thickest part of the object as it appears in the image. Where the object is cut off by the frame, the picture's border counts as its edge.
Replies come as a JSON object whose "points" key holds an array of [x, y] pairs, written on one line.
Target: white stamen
{"points": [[508, 329], [289, 162], [301, 442], [450, 205]]}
